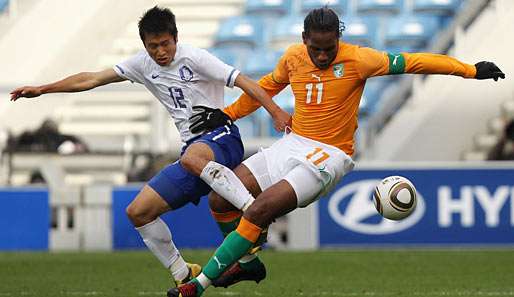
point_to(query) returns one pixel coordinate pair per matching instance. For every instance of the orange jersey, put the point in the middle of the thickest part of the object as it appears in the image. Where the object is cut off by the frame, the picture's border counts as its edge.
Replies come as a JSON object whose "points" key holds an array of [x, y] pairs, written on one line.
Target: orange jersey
{"points": [[327, 101]]}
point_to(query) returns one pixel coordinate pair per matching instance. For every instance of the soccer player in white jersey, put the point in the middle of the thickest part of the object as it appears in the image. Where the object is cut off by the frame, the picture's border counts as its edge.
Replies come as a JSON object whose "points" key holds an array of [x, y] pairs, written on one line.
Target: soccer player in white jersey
{"points": [[179, 76]]}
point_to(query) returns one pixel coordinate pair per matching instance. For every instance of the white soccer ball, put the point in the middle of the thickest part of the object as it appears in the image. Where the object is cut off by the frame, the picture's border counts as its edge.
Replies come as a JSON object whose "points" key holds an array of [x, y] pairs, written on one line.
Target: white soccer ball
{"points": [[395, 197]]}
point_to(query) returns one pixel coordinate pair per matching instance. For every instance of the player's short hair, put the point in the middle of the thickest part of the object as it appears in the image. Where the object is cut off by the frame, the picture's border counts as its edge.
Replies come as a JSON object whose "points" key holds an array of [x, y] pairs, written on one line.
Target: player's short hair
{"points": [[322, 19], [156, 21]]}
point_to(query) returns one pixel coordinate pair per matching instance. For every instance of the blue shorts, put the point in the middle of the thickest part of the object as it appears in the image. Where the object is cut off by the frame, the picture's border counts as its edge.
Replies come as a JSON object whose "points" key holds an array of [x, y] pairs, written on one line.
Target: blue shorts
{"points": [[179, 187]]}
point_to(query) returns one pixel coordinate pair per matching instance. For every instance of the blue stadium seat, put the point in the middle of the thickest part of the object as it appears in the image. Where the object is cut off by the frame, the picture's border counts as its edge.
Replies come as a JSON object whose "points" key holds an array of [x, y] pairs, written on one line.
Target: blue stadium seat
{"points": [[411, 31], [262, 63], [284, 99], [268, 8], [443, 10], [438, 7], [228, 56], [371, 96], [240, 31], [361, 31], [288, 30], [404, 49], [339, 6], [379, 6], [3, 5]]}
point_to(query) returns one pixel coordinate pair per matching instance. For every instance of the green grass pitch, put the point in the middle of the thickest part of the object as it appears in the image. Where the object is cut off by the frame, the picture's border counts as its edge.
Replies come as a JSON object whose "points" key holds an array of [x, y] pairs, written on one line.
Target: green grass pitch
{"points": [[325, 273]]}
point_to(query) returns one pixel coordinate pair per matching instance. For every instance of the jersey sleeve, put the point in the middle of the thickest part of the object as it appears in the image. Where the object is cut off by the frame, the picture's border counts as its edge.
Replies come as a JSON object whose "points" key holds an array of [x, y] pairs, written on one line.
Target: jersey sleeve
{"points": [[214, 69], [245, 104], [426, 63], [280, 74], [376, 63], [272, 83], [132, 68], [371, 62]]}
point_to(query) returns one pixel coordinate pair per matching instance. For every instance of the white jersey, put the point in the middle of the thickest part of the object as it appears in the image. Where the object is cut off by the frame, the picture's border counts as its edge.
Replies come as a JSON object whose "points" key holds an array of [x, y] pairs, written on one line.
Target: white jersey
{"points": [[194, 77]]}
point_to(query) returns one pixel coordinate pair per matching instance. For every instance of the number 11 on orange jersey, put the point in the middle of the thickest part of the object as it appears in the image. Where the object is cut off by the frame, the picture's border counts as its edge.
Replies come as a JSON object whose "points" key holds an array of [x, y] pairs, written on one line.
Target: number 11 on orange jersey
{"points": [[319, 88]]}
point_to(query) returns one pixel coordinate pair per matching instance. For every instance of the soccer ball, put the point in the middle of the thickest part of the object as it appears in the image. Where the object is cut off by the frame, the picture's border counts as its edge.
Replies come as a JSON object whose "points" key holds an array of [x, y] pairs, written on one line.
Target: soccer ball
{"points": [[395, 197]]}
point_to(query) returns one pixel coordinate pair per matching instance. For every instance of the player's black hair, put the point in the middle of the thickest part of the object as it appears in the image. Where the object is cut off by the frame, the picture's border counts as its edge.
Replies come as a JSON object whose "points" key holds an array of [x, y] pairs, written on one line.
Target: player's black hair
{"points": [[322, 19], [157, 20]]}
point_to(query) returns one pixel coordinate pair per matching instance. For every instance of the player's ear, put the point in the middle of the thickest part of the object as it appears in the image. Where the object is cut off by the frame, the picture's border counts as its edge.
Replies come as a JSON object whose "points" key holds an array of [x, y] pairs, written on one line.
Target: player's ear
{"points": [[304, 37], [176, 38]]}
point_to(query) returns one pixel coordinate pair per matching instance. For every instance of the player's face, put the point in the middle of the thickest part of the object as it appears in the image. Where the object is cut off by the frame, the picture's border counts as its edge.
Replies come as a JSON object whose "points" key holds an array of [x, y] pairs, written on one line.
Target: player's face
{"points": [[322, 47], [161, 47]]}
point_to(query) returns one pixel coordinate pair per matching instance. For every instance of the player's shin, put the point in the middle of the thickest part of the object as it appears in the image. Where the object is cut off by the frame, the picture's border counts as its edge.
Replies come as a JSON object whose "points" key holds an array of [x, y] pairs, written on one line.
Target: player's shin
{"points": [[227, 221], [157, 237], [235, 245], [224, 182]]}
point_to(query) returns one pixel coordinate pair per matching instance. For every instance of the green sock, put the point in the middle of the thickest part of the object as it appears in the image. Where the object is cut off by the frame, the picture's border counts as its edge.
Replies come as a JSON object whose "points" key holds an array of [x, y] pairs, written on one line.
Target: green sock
{"points": [[233, 247], [227, 227], [250, 264]]}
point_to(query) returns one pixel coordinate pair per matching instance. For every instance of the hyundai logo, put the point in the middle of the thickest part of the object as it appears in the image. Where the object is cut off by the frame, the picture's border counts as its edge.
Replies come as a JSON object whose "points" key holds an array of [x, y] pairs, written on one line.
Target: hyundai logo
{"points": [[361, 207]]}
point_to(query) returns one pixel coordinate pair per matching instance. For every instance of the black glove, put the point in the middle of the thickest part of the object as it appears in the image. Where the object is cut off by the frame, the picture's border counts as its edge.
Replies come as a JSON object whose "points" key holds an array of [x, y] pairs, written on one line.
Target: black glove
{"points": [[206, 119], [487, 70]]}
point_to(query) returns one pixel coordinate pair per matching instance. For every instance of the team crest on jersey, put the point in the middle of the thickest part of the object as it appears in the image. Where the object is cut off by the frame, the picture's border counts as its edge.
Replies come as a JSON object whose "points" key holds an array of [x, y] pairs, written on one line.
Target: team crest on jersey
{"points": [[338, 70], [186, 74]]}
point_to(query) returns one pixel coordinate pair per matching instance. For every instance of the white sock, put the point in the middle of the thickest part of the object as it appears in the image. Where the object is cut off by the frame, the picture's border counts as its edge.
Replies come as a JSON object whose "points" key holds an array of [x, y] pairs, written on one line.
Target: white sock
{"points": [[157, 237], [247, 258], [224, 182], [203, 280]]}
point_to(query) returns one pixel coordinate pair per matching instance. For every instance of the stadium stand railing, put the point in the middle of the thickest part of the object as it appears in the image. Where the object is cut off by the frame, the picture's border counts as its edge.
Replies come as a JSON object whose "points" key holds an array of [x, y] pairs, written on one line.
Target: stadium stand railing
{"points": [[339, 6], [122, 121], [392, 25], [3, 6], [436, 97]]}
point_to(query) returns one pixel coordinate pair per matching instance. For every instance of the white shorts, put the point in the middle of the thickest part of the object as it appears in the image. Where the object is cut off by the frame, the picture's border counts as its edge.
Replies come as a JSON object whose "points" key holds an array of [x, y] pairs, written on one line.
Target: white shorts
{"points": [[312, 168]]}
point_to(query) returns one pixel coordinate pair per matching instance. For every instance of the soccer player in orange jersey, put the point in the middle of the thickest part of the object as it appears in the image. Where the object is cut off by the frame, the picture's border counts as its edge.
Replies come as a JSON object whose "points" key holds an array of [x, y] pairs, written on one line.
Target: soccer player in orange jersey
{"points": [[327, 77]]}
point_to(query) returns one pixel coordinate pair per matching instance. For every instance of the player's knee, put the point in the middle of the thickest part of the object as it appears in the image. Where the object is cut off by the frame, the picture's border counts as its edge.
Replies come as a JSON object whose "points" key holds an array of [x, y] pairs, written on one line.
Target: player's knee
{"points": [[193, 164], [259, 213], [138, 216], [187, 161], [219, 204]]}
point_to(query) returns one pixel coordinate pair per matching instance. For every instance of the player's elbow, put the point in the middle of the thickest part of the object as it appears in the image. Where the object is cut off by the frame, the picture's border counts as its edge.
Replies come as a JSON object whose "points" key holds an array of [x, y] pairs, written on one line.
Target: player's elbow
{"points": [[84, 81]]}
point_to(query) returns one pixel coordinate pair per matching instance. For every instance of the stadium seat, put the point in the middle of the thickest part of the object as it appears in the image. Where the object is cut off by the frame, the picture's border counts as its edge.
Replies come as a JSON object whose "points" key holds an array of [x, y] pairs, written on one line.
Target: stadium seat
{"points": [[263, 63], [284, 99], [3, 5], [371, 95], [228, 56], [241, 31], [360, 31], [439, 7], [411, 31], [288, 30], [443, 10], [379, 6], [404, 49], [268, 8], [339, 6]]}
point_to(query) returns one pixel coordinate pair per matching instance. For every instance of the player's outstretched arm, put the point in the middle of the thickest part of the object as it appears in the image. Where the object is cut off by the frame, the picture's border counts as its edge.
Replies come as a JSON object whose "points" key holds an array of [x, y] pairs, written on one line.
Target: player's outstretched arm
{"points": [[75, 83], [281, 118], [376, 63], [442, 64], [487, 70]]}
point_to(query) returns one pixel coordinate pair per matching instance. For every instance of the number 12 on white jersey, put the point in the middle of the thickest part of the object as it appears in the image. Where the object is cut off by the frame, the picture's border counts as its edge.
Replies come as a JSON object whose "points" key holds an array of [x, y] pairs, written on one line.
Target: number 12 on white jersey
{"points": [[319, 88]]}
